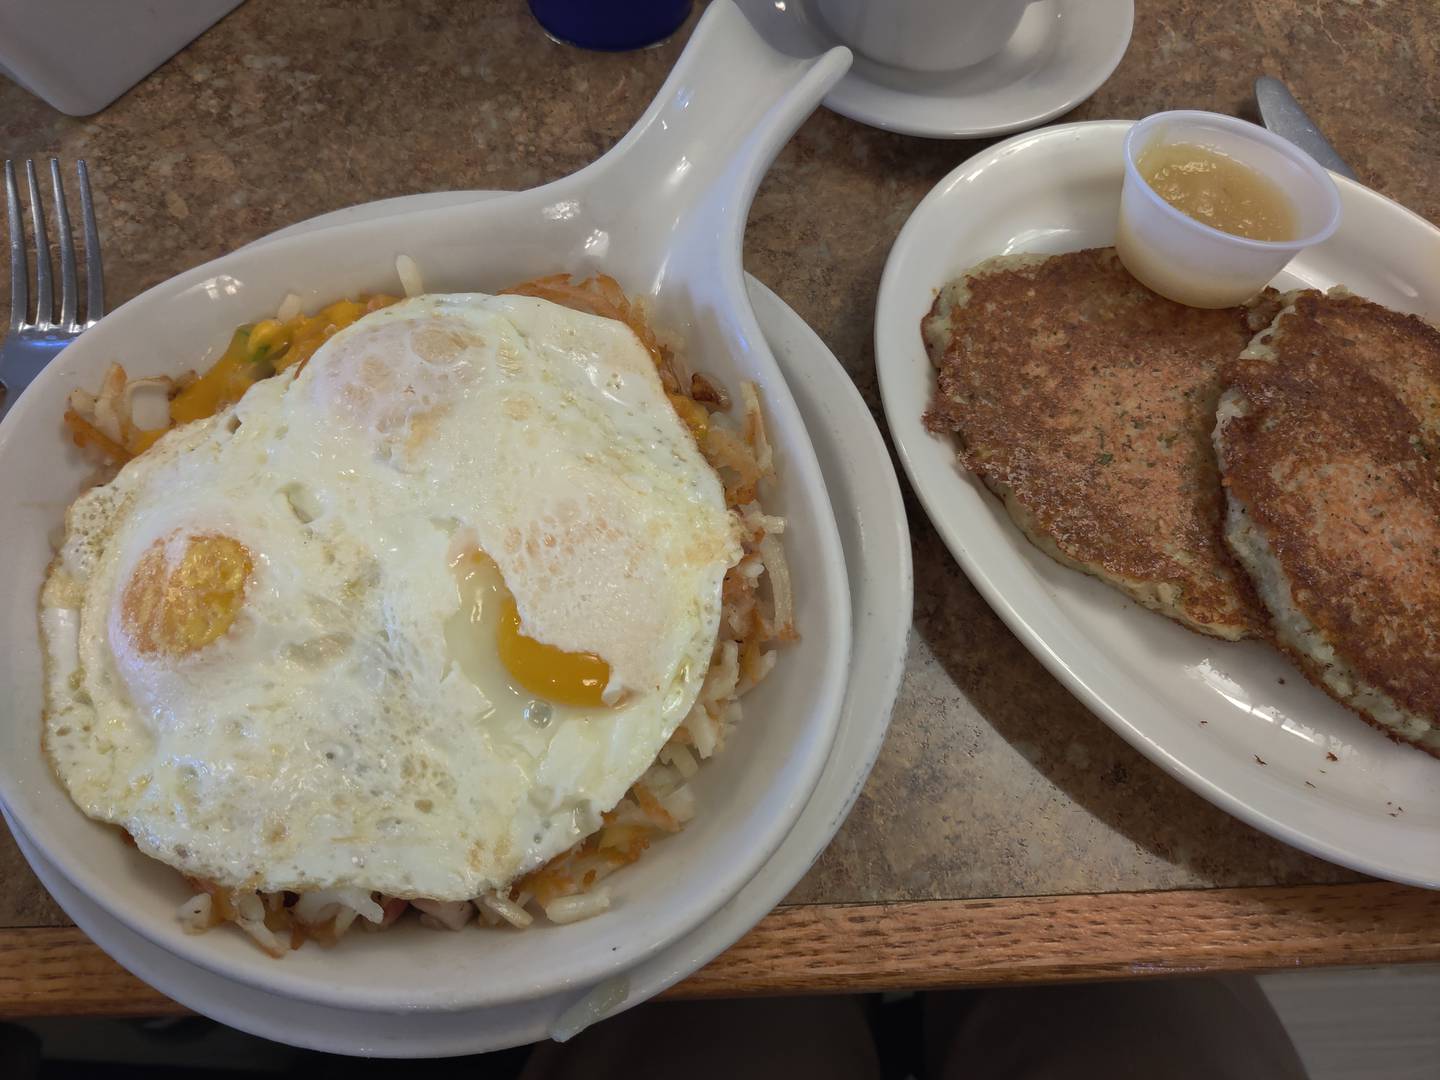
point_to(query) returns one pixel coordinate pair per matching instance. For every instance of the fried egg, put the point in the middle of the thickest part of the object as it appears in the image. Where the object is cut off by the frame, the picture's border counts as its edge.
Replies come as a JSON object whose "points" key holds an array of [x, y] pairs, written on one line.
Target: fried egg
{"points": [[410, 621]]}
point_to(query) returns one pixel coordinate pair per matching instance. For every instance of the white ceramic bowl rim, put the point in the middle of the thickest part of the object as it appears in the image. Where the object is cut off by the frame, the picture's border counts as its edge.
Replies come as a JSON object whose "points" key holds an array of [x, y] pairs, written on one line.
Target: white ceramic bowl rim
{"points": [[1324, 183]]}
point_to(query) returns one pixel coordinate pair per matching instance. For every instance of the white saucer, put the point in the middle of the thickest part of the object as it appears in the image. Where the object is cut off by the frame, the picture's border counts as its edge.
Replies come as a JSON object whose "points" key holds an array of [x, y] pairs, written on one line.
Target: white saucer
{"points": [[871, 519], [1061, 53], [1234, 721]]}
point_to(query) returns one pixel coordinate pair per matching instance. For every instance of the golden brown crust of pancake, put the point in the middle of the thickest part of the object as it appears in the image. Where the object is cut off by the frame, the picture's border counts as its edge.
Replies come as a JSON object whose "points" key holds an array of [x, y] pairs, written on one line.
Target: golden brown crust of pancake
{"points": [[1336, 459], [1087, 402]]}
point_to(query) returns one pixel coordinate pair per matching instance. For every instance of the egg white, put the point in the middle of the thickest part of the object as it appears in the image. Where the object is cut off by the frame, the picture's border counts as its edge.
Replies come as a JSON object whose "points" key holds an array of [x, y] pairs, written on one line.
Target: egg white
{"points": [[354, 727]]}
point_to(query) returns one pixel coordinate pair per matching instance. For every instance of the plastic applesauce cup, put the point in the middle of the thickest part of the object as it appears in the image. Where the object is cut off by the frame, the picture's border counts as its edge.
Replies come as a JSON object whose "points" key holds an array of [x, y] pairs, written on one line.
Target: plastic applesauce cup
{"points": [[1191, 262]]}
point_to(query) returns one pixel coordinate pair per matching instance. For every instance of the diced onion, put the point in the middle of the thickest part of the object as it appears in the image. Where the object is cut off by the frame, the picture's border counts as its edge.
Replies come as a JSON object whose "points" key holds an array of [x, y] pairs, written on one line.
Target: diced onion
{"points": [[410, 279], [197, 914]]}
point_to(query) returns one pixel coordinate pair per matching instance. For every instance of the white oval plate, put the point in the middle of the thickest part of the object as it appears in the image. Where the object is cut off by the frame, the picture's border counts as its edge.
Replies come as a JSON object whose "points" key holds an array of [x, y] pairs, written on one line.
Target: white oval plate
{"points": [[1208, 712], [871, 519], [1060, 54]]}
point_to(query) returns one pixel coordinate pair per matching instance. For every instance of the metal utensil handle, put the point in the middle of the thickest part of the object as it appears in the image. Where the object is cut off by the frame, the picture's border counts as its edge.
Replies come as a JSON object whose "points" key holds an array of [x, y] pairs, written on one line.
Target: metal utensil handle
{"points": [[1283, 115]]}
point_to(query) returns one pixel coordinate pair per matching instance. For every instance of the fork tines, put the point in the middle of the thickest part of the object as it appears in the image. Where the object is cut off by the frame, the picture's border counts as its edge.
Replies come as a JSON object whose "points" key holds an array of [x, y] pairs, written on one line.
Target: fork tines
{"points": [[44, 311]]}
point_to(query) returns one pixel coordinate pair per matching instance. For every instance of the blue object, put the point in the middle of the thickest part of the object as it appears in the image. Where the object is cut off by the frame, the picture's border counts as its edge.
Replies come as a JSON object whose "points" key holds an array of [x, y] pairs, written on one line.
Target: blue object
{"points": [[612, 25]]}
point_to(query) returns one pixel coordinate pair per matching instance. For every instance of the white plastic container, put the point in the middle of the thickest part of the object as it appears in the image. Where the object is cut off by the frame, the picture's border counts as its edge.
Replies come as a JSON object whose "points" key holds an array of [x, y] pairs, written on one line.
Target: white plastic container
{"points": [[1193, 263]]}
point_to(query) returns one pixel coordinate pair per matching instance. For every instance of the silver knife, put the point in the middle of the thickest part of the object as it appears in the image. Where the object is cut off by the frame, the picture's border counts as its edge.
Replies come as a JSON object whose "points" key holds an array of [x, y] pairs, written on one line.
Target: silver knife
{"points": [[1283, 115]]}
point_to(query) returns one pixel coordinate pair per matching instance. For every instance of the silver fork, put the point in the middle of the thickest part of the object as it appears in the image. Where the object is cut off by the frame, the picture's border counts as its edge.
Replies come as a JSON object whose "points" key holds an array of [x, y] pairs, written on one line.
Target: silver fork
{"points": [[33, 342]]}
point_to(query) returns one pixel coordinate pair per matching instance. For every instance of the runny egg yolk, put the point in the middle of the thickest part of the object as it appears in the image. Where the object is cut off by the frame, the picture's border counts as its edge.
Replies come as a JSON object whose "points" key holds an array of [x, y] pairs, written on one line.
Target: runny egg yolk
{"points": [[562, 677], [550, 673], [177, 602]]}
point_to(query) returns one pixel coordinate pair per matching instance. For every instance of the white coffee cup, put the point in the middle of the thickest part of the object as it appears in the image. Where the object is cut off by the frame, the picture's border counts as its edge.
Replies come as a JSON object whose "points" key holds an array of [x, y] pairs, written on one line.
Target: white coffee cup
{"points": [[924, 35]]}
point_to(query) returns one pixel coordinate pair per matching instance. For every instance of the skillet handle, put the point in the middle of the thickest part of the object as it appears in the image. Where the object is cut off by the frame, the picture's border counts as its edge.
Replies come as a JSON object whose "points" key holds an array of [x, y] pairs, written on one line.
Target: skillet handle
{"points": [[700, 150]]}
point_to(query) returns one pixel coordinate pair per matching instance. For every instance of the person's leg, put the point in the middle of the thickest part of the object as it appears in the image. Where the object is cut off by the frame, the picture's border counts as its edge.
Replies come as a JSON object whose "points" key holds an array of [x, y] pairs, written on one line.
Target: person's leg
{"points": [[756, 1039], [1211, 1028]]}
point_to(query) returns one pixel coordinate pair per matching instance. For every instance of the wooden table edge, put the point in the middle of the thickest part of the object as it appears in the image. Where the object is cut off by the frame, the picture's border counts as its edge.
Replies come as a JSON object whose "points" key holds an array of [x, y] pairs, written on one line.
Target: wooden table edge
{"points": [[923, 944]]}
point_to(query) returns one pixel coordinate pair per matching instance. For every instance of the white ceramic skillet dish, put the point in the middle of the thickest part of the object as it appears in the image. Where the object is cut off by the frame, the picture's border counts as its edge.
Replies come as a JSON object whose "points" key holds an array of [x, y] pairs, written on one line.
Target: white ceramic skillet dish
{"points": [[1236, 722], [664, 213], [871, 517]]}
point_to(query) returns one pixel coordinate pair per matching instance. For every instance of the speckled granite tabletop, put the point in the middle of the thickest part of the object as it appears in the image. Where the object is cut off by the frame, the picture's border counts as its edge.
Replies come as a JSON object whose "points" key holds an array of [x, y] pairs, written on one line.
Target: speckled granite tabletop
{"points": [[994, 780]]}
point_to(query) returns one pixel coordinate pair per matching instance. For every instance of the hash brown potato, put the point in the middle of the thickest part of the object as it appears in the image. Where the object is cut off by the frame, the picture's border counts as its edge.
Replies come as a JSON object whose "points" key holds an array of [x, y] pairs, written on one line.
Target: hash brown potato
{"points": [[1086, 403], [1328, 438]]}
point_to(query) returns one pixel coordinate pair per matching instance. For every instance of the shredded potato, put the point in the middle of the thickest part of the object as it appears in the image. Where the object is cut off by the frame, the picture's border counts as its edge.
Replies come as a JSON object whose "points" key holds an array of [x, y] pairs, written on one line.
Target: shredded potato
{"points": [[568, 909], [757, 601], [727, 452], [104, 423], [503, 909], [654, 809], [87, 436], [755, 436]]}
